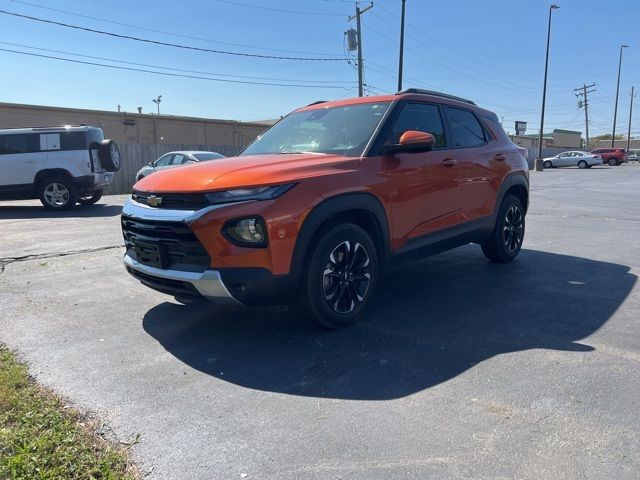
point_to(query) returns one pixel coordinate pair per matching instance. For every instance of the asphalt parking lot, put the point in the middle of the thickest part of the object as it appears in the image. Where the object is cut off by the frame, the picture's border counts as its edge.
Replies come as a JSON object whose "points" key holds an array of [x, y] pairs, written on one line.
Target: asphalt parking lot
{"points": [[460, 369]]}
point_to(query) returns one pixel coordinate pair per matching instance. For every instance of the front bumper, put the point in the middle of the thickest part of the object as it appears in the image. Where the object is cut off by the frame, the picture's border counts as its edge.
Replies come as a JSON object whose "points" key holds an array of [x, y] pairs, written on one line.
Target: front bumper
{"points": [[177, 282]]}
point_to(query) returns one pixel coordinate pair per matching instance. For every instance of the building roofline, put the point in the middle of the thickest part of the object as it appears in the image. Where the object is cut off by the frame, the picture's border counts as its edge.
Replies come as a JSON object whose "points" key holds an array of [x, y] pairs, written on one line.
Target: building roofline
{"points": [[127, 114]]}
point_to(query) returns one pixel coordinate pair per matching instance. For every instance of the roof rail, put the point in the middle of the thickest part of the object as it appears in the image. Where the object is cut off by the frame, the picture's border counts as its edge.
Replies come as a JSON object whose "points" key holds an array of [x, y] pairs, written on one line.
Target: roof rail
{"points": [[435, 94], [46, 127], [316, 103]]}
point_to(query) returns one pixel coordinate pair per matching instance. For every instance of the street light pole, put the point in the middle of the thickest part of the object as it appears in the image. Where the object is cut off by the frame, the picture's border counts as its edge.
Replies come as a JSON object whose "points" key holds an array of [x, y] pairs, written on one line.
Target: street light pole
{"points": [[539, 164], [629, 127], [615, 109], [157, 102], [401, 46]]}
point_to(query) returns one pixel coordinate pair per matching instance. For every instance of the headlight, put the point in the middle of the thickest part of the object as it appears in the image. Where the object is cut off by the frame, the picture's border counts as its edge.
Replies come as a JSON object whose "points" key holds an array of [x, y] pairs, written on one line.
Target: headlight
{"points": [[246, 232], [244, 194]]}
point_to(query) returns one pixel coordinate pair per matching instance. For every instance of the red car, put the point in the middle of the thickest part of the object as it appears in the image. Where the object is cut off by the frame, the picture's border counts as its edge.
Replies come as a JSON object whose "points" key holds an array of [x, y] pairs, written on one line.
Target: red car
{"points": [[612, 156]]}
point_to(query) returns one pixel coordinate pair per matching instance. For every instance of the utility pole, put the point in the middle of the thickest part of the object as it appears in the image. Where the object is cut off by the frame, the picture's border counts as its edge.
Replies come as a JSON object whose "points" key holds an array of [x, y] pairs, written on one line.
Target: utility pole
{"points": [[629, 127], [585, 103], [615, 109], [401, 46], [359, 35]]}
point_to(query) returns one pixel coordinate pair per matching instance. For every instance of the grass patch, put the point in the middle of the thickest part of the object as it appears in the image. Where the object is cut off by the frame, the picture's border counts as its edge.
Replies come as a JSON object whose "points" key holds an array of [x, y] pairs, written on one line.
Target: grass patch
{"points": [[42, 439]]}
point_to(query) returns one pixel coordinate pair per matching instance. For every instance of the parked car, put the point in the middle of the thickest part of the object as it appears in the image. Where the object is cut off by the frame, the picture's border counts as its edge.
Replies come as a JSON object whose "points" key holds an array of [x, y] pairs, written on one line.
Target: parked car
{"points": [[612, 156], [175, 159], [317, 206], [633, 155], [573, 159], [59, 165]]}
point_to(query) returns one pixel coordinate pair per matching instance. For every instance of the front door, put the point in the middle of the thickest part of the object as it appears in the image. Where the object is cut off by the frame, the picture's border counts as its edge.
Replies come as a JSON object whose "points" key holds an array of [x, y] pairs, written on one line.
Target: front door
{"points": [[424, 185]]}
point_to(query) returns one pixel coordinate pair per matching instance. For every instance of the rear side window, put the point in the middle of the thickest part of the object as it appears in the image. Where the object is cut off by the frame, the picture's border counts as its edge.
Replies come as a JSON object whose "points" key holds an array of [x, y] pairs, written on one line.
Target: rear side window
{"points": [[19, 143], [466, 130], [73, 141], [421, 117], [94, 135]]}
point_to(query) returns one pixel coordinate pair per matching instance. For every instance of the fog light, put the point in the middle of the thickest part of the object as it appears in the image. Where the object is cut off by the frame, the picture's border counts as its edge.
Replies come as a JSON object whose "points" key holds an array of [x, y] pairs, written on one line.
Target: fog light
{"points": [[246, 232]]}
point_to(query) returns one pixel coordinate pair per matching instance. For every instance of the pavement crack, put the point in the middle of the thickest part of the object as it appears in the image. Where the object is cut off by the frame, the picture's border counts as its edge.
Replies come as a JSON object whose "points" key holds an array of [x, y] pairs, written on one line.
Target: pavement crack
{"points": [[9, 260]]}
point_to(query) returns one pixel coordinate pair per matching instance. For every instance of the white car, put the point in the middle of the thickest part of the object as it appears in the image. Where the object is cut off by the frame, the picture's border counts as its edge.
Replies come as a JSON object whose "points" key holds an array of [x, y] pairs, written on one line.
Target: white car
{"points": [[573, 159], [61, 166], [175, 159]]}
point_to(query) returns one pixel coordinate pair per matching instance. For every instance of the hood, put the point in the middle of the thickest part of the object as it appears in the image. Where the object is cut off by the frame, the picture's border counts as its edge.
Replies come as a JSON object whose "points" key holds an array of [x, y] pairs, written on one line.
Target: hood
{"points": [[246, 171]]}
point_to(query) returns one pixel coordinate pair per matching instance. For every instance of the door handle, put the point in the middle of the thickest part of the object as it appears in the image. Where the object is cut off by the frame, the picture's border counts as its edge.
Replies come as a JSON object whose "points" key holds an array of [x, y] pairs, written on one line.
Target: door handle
{"points": [[449, 162], [500, 157]]}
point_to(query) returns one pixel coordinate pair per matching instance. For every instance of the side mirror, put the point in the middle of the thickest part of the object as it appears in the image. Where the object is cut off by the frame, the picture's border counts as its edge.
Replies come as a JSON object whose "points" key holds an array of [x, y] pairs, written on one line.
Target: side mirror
{"points": [[412, 141]]}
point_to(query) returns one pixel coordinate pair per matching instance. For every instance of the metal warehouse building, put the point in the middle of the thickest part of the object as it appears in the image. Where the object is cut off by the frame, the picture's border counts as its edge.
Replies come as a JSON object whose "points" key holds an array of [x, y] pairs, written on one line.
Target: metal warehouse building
{"points": [[225, 136]]}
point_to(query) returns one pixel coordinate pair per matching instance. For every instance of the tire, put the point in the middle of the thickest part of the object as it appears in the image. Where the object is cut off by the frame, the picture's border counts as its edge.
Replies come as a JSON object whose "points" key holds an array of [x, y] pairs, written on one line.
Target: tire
{"points": [[582, 164], [613, 162], [57, 193], [109, 155], [340, 276], [547, 164], [90, 199], [505, 241]]}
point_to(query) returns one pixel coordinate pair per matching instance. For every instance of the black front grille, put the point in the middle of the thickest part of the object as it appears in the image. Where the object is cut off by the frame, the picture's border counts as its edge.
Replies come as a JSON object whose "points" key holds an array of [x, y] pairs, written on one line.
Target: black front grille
{"points": [[164, 244], [173, 201]]}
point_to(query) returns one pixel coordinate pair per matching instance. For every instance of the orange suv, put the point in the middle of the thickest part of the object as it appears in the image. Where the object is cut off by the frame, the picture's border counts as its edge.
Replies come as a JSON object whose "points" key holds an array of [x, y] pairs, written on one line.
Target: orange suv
{"points": [[317, 206]]}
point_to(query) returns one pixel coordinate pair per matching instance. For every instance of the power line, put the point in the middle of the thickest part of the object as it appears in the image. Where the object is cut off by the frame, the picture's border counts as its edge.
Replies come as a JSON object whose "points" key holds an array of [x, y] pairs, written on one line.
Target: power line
{"points": [[166, 44], [173, 68], [164, 32], [459, 52], [260, 7], [166, 74]]}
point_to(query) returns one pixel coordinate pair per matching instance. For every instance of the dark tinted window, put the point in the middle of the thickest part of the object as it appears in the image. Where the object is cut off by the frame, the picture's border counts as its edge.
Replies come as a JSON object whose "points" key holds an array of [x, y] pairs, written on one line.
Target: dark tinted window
{"points": [[73, 141], [207, 156], [420, 117], [19, 143], [466, 130]]}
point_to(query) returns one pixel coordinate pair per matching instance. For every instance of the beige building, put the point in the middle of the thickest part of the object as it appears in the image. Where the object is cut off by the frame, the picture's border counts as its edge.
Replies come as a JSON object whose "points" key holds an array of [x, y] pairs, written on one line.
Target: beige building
{"points": [[568, 139], [225, 136]]}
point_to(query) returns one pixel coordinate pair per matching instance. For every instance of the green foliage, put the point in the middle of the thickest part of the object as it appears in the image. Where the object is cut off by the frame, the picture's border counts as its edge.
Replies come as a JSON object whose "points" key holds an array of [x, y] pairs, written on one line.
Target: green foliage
{"points": [[42, 439]]}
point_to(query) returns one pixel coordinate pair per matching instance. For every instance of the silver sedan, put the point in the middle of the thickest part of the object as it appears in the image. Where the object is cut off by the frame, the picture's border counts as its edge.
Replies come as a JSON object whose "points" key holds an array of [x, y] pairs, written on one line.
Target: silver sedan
{"points": [[573, 159], [175, 159]]}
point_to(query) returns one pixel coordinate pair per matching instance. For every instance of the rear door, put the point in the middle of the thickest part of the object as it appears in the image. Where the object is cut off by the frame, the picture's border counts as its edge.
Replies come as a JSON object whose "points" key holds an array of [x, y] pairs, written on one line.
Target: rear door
{"points": [[21, 158], [425, 184], [483, 163]]}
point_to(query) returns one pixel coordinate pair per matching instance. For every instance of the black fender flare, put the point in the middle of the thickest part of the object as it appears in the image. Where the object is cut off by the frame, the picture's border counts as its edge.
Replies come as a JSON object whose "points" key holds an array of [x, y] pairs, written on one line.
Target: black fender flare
{"points": [[511, 180], [330, 208]]}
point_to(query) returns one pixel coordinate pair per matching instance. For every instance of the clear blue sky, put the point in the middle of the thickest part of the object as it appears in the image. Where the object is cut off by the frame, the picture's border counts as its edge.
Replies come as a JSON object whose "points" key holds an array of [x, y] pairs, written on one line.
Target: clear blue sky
{"points": [[491, 51]]}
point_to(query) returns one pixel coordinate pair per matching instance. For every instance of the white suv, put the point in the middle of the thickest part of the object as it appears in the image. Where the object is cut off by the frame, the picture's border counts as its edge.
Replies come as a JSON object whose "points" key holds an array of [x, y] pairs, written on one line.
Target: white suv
{"points": [[58, 165]]}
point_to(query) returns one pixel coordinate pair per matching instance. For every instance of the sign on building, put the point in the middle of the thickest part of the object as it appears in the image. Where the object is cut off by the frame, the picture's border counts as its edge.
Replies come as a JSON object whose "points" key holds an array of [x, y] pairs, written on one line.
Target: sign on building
{"points": [[521, 127]]}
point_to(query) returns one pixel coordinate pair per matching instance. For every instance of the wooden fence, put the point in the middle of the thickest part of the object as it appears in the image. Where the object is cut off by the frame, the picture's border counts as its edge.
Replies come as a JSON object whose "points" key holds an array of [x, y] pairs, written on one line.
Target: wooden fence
{"points": [[136, 155]]}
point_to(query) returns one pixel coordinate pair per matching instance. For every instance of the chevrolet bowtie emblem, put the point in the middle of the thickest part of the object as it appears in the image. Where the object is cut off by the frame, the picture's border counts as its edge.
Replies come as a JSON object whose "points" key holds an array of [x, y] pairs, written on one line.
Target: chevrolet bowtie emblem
{"points": [[153, 200]]}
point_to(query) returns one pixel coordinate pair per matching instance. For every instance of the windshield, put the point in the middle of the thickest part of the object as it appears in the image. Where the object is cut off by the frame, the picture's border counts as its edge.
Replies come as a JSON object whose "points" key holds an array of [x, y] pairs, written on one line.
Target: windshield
{"points": [[339, 130], [207, 156]]}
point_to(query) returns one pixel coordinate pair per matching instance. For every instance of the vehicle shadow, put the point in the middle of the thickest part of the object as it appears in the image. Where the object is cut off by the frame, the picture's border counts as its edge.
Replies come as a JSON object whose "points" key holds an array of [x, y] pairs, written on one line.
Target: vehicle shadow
{"points": [[18, 212], [431, 321]]}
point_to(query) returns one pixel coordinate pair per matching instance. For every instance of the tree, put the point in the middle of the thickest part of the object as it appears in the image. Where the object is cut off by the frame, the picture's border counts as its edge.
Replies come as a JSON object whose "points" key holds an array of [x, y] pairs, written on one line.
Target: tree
{"points": [[594, 142]]}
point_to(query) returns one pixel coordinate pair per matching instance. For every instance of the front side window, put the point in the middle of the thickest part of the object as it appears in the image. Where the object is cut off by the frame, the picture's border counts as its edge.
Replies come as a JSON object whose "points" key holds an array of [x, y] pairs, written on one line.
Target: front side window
{"points": [[207, 156], [466, 130], [19, 143], [164, 161], [344, 130], [178, 159], [421, 117]]}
